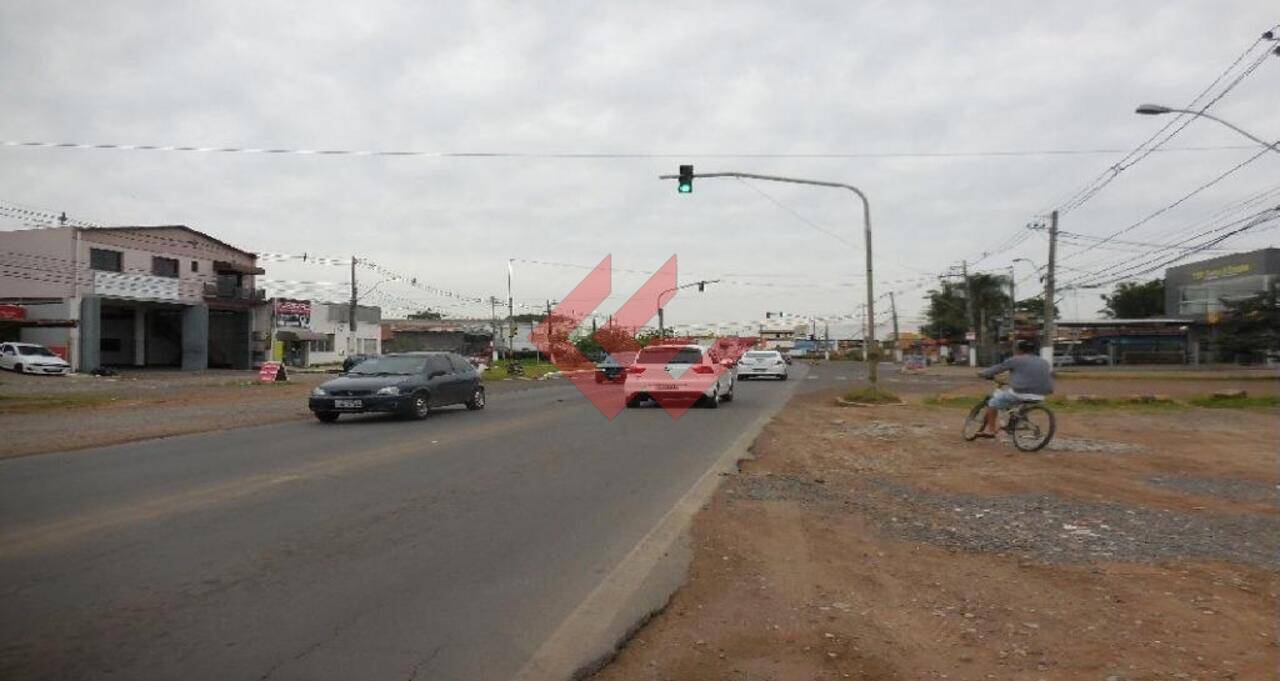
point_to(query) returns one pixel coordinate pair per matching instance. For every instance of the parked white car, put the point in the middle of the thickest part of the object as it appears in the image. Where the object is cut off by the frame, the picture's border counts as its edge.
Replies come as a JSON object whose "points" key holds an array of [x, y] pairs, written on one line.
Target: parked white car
{"points": [[676, 373], [762, 364], [29, 358]]}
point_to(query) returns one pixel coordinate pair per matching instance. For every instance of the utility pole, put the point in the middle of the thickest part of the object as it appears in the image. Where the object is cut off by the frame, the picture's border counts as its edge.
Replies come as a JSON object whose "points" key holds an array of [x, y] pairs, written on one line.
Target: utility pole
{"points": [[493, 311], [511, 314], [1013, 309], [1046, 345], [551, 334], [351, 313], [661, 330], [897, 347], [968, 313], [826, 340]]}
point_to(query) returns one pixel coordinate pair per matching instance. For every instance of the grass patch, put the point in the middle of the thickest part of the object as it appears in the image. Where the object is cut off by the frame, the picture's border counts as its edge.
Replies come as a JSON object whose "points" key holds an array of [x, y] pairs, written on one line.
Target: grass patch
{"points": [[870, 396], [1061, 404], [1165, 375], [1245, 402], [10, 404], [498, 371]]}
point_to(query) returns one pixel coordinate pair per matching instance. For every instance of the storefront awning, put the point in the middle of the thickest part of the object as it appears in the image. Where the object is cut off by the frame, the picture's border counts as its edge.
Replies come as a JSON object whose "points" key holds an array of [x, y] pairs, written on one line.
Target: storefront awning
{"points": [[224, 267], [299, 335]]}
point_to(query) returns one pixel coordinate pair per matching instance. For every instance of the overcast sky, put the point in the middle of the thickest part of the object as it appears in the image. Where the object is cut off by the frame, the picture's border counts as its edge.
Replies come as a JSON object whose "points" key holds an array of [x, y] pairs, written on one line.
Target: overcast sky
{"points": [[691, 79]]}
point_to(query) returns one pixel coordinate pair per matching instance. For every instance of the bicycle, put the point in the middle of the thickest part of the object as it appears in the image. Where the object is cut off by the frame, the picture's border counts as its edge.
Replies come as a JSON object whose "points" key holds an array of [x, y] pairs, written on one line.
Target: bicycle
{"points": [[1030, 425]]}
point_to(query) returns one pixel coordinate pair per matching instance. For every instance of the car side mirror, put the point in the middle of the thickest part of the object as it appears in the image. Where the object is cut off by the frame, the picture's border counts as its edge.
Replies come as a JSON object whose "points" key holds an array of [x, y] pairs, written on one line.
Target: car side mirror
{"points": [[727, 362]]}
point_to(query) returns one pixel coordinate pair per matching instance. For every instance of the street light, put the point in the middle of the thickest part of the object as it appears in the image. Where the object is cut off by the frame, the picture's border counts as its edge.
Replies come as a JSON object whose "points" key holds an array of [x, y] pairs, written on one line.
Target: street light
{"points": [[1159, 109], [871, 356]]}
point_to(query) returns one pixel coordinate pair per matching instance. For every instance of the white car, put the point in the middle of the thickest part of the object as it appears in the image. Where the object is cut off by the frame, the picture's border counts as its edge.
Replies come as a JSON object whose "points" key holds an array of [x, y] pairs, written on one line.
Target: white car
{"points": [[29, 358], [678, 373], [762, 364]]}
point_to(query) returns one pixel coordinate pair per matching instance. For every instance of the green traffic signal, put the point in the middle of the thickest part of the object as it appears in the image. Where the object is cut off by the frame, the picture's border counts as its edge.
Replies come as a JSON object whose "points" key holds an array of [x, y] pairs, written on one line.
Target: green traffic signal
{"points": [[685, 185], [685, 188]]}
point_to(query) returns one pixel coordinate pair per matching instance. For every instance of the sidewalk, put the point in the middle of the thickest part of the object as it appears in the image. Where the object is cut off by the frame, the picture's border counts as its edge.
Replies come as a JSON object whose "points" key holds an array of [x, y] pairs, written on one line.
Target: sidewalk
{"points": [[873, 543]]}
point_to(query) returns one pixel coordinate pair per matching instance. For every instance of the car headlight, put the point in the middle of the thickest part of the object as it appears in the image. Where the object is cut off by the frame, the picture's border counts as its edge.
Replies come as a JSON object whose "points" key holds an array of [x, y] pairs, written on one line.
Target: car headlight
{"points": [[318, 392], [389, 390]]}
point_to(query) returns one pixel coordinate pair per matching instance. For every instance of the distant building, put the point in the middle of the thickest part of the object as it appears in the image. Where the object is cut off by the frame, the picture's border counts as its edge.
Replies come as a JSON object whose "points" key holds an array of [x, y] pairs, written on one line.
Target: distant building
{"points": [[166, 296], [311, 332], [1195, 291], [468, 337]]}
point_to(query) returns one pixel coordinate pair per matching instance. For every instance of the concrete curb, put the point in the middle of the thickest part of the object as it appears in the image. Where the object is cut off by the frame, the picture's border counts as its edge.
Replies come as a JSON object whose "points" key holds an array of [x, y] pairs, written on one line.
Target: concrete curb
{"points": [[641, 583]]}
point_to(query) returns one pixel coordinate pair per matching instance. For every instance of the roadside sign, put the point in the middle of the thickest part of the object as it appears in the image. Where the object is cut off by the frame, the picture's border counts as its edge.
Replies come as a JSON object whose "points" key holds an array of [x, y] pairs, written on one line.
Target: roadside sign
{"points": [[272, 371], [971, 335]]}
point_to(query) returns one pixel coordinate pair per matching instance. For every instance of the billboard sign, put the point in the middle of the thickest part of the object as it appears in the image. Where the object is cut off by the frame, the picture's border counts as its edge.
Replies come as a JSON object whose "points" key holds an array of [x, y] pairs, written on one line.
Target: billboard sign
{"points": [[292, 313]]}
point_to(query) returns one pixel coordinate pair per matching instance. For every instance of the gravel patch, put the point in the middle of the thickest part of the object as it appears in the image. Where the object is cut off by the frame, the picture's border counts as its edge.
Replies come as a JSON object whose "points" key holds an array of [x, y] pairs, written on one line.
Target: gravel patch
{"points": [[1059, 530], [1067, 444], [886, 430], [1226, 488], [1043, 527], [774, 487]]}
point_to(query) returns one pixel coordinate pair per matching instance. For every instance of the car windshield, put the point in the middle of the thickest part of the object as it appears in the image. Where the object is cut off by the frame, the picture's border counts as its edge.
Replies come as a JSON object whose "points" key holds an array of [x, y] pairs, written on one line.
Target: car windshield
{"points": [[668, 355], [37, 350], [389, 366]]}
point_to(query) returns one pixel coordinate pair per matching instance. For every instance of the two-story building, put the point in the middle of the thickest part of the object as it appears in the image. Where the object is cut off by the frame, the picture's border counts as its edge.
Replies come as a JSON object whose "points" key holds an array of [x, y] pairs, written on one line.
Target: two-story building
{"points": [[167, 296]]}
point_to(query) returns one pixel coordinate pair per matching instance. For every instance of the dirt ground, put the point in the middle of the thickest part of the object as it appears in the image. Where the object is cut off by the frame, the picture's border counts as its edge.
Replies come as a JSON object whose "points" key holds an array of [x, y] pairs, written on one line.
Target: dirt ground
{"points": [[874, 543]]}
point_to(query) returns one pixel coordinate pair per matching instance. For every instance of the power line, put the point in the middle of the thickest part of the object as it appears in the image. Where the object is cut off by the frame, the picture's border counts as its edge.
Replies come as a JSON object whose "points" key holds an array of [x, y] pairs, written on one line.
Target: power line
{"points": [[585, 155]]}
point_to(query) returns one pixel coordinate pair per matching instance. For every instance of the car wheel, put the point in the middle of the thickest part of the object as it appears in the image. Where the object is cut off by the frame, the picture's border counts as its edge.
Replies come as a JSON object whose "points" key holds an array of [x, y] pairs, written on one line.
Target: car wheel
{"points": [[477, 400], [327, 416], [633, 401], [419, 406], [783, 377], [712, 401], [728, 397], [17, 369]]}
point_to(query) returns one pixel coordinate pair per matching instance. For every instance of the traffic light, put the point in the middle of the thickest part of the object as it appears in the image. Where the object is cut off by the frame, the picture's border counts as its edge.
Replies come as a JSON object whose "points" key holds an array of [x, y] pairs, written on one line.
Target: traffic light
{"points": [[685, 185], [702, 286]]}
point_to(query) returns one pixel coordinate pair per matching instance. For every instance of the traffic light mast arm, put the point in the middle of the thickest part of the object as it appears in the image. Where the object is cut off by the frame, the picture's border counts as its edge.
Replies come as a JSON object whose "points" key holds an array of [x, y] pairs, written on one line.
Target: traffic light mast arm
{"points": [[866, 222]]}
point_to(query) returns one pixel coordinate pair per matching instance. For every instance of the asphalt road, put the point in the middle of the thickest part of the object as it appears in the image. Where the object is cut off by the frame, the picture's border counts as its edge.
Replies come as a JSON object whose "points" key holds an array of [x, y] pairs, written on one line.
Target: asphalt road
{"points": [[371, 549]]}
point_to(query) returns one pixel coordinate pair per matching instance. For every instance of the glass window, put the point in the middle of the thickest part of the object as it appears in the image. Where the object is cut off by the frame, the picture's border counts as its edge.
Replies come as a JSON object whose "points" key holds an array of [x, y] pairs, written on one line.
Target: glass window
{"points": [[389, 365], [325, 345], [670, 355], [195, 265], [164, 267], [439, 363], [105, 261]]}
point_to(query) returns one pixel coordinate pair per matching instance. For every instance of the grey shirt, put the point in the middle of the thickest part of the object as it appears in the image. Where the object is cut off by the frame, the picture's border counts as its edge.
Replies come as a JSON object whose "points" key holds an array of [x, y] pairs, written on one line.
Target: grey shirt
{"points": [[1027, 374]]}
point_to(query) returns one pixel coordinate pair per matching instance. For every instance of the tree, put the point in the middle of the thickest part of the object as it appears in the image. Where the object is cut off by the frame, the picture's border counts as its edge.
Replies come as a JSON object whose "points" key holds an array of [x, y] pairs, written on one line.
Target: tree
{"points": [[1034, 307], [947, 309], [1131, 300], [1250, 327], [425, 314]]}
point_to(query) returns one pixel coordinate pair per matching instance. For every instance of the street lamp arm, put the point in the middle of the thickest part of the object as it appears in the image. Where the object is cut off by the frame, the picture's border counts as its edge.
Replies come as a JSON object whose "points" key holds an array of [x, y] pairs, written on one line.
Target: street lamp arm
{"points": [[1150, 109]]}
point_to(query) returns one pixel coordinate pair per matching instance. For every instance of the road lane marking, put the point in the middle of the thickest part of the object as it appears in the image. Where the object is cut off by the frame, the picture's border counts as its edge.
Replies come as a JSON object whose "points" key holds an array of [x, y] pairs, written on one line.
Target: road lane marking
{"points": [[92, 521]]}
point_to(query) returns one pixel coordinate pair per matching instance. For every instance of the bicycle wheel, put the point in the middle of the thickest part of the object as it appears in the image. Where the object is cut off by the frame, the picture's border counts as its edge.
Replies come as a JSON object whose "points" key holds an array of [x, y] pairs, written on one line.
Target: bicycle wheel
{"points": [[975, 421], [1033, 428]]}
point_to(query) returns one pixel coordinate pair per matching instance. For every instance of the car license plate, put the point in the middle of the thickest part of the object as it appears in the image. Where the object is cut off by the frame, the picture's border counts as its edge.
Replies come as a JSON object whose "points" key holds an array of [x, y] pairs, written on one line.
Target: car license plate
{"points": [[668, 386], [760, 370], [348, 404]]}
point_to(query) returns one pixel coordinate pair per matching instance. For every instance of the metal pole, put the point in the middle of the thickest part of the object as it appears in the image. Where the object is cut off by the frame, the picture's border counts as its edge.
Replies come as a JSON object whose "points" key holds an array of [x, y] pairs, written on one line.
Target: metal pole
{"points": [[1013, 309], [661, 329], [968, 314], [1050, 330], [872, 373], [351, 314], [511, 314], [893, 305]]}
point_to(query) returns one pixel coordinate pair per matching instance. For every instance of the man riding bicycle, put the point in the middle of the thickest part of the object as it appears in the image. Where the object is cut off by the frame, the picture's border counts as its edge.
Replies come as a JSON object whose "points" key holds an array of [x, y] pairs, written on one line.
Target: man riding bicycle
{"points": [[1029, 376]]}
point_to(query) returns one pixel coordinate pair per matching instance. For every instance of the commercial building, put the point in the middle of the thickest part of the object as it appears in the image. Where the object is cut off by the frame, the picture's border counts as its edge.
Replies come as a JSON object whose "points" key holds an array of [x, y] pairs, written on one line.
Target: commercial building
{"points": [[306, 333], [1196, 291], [167, 296]]}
